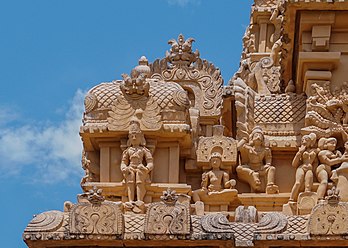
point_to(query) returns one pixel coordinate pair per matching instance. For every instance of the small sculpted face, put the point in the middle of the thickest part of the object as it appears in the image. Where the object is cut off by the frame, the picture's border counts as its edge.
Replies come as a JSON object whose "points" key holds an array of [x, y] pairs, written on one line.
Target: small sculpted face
{"points": [[258, 138], [135, 138], [215, 162], [331, 144], [306, 141]]}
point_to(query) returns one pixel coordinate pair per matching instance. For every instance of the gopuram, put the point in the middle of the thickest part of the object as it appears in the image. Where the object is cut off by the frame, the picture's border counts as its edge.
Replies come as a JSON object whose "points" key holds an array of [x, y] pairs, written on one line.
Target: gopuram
{"points": [[173, 157]]}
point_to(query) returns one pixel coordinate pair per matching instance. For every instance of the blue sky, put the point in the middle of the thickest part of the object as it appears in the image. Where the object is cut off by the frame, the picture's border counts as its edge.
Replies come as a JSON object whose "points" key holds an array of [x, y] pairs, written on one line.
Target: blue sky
{"points": [[52, 52]]}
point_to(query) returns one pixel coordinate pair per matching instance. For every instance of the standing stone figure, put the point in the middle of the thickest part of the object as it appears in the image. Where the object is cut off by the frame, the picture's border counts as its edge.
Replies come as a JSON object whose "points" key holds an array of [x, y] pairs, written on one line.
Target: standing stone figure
{"points": [[328, 157], [257, 164], [216, 181], [304, 162], [135, 173]]}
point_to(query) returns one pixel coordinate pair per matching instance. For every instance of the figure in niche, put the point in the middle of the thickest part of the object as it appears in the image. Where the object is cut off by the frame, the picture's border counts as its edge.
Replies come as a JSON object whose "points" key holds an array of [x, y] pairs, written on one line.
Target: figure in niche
{"points": [[328, 157], [135, 173], [304, 161], [215, 182], [257, 163]]}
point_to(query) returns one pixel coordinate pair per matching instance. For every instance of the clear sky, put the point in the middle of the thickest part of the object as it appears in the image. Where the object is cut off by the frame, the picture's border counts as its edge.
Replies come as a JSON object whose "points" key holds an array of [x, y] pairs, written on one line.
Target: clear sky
{"points": [[52, 52]]}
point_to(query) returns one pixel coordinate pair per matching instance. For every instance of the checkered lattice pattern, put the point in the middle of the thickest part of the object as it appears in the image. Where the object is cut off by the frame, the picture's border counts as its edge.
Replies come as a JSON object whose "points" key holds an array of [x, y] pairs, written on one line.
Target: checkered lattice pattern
{"points": [[280, 109], [243, 231], [106, 93], [134, 223], [297, 224]]}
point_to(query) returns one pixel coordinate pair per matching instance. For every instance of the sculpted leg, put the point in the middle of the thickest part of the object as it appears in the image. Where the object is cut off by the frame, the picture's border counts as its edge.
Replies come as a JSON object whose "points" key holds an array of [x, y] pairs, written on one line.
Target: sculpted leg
{"points": [[130, 181], [249, 176], [308, 181], [141, 189], [296, 188], [270, 175], [323, 180]]}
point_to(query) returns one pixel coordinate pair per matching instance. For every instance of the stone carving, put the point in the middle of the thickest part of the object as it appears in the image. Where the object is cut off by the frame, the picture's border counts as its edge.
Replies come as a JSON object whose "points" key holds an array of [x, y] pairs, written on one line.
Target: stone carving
{"points": [[183, 66], [287, 109], [91, 167], [167, 217], [135, 101], [327, 112], [267, 75], [329, 217], [228, 145], [218, 223], [272, 223], [134, 226], [246, 214], [96, 216], [181, 51], [135, 173], [46, 222], [328, 157], [215, 183], [340, 176], [304, 162], [256, 164]]}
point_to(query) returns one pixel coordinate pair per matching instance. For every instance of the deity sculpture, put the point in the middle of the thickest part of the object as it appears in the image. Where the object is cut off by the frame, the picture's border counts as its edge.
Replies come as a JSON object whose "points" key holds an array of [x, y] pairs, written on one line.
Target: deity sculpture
{"points": [[135, 173], [256, 163], [328, 157], [304, 161], [215, 182]]}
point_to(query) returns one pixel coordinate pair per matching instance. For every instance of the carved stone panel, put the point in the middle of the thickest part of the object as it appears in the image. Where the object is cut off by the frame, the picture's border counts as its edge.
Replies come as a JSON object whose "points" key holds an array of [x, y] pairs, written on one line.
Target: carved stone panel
{"points": [[207, 144], [167, 219], [103, 218], [329, 219]]}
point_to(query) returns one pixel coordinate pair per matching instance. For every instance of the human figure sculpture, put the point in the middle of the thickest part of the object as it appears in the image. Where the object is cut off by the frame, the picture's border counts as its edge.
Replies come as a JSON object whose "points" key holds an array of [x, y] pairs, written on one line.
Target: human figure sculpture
{"points": [[256, 163], [328, 157], [304, 161], [215, 182], [135, 173]]}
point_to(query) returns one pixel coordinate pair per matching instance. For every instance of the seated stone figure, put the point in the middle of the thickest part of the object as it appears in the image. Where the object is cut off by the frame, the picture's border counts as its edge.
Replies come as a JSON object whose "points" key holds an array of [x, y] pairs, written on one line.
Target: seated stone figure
{"points": [[256, 164], [135, 173], [215, 183]]}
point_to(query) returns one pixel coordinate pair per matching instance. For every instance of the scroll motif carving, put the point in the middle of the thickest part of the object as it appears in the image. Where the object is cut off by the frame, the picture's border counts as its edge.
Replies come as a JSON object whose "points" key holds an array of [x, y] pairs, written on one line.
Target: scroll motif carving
{"points": [[168, 216], [272, 223], [216, 223], [183, 66], [46, 222], [96, 216]]}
